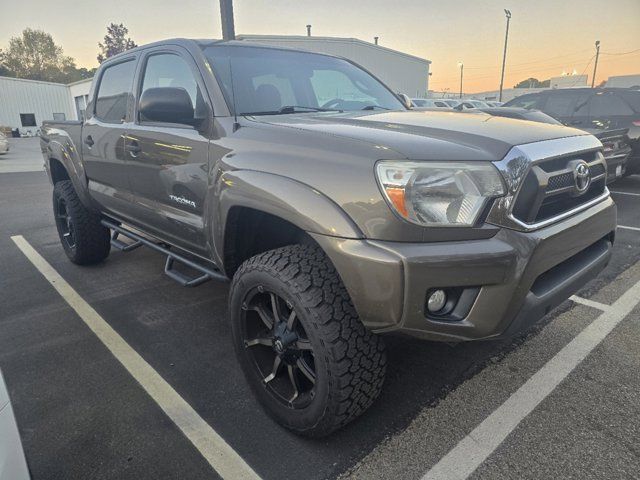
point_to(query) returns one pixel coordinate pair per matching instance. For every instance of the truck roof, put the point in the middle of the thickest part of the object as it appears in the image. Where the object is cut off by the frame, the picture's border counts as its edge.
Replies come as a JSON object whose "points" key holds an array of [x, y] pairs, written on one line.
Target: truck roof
{"points": [[201, 43]]}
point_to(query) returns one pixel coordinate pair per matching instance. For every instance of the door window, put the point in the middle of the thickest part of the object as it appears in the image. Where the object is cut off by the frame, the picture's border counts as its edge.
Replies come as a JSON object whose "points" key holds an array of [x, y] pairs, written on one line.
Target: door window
{"points": [[170, 70], [113, 92]]}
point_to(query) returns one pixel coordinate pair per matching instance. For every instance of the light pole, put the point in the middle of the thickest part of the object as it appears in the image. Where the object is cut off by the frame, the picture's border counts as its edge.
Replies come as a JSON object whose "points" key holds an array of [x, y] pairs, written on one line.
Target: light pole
{"points": [[461, 65], [595, 67], [504, 56], [226, 15]]}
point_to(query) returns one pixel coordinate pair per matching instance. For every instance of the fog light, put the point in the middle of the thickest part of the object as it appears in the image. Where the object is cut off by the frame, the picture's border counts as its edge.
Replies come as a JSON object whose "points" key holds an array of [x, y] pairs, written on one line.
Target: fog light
{"points": [[436, 301]]}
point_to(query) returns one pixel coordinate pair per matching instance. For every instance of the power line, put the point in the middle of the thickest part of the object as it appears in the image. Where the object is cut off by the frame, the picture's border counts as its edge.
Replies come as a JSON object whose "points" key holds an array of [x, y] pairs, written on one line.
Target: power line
{"points": [[621, 53]]}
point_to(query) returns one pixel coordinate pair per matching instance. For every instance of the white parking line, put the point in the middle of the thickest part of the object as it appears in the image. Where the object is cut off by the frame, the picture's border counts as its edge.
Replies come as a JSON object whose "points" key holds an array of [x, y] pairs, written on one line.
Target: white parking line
{"points": [[590, 303], [624, 227], [224, 460], [476, 447], [625, 193]]}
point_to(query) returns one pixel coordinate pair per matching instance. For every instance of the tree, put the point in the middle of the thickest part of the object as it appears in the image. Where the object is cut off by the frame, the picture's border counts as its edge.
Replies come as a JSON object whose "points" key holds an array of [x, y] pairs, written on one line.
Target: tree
{"points": [[34, 55], [4, 71], [115, 41], [532, 82]]}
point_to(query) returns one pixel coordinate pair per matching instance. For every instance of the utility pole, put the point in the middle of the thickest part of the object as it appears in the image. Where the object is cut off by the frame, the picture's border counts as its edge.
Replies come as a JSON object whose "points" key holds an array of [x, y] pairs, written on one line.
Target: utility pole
{"points": [[461, 65], [226, 15], [375, 40], [308, 30], [595, 67], [504, 56]]}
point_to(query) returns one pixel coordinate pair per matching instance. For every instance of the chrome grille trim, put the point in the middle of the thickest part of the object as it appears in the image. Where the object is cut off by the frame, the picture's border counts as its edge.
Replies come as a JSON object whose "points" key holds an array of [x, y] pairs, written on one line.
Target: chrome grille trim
{"points": [[520, 160]]}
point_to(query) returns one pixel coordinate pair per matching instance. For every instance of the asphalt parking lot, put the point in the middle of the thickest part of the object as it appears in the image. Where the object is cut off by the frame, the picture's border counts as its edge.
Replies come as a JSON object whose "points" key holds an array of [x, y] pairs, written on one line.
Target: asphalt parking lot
{"points": [[82, 414]]}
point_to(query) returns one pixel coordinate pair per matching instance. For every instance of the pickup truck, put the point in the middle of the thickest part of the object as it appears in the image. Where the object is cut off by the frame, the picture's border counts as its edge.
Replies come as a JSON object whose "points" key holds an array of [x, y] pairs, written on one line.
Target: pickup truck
{"points": [[337, 212]]}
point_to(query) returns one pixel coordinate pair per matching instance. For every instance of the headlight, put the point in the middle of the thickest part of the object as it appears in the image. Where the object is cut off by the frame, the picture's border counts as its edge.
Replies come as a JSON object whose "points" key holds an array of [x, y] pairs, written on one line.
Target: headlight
{"points": [[439, 193]]}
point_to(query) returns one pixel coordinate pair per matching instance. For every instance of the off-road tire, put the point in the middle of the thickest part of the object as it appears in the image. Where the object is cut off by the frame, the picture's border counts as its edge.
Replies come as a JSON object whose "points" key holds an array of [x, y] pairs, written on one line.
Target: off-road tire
{"points": [[92, 240], [350, 361]]}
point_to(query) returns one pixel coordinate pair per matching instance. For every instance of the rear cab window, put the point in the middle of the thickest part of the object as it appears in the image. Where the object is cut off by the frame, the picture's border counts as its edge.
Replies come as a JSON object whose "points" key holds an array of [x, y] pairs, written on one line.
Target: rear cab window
{"points": [[113, 92]]}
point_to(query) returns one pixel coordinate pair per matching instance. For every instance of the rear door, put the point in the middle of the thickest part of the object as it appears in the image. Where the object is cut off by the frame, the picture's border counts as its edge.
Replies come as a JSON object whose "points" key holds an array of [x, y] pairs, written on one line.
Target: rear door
{"points": [[103, 135], [167, 162]]}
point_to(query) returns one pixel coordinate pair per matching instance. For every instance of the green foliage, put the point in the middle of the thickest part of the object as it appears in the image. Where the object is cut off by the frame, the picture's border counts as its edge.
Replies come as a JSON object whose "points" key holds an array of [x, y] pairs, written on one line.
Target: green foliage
{"points": [[115, 41], [35, 56], [533, 83]]}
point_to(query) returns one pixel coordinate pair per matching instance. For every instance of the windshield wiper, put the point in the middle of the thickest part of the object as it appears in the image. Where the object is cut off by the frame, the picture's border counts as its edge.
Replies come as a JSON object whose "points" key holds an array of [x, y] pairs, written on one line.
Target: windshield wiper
{"points": [[290, 109], [293, 108], [373, 107]]}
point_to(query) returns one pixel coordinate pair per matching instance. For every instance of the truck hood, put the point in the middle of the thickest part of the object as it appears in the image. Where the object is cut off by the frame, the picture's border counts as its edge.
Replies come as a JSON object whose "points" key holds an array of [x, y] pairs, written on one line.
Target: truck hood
{"points": [[427, 135]]}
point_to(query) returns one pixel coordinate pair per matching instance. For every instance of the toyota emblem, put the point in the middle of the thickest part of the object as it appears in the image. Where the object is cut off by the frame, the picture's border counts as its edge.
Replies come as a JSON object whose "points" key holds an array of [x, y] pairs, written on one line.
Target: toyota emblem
{"points": [[582, 177]]}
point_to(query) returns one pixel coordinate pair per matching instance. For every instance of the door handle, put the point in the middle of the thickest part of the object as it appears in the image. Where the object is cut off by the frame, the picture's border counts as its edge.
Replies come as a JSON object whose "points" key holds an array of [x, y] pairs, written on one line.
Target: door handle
{"points": [[89, 141], [133, 148]]}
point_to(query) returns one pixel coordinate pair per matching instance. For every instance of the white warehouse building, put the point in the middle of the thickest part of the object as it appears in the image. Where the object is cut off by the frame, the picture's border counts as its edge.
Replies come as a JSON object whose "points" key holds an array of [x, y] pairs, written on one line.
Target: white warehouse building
{"points": [[25, 104]]}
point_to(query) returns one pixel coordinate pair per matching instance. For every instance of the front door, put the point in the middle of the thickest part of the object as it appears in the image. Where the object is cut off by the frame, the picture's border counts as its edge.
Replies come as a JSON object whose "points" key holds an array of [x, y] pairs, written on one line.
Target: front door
{"points": [[167, 160]]}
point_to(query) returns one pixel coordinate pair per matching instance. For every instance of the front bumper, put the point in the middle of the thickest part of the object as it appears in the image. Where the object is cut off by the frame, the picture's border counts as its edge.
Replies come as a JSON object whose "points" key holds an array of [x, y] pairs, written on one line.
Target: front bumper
{"points": [[518, 276]]}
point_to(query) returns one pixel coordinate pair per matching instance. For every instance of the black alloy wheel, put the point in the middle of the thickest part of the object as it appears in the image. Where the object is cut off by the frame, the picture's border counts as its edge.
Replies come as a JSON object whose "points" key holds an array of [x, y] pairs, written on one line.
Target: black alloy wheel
{"points": [[279, 348], [64, 222]]}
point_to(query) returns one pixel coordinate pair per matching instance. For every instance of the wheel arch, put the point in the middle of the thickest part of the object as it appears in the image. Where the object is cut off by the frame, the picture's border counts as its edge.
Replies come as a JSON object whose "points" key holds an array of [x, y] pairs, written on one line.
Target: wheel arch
{"points": [[259, 211]]}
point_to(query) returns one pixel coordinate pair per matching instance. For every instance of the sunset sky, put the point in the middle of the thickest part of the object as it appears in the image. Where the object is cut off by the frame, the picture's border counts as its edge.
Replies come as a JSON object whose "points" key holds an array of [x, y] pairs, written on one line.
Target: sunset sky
{"points": [[546, 37]]}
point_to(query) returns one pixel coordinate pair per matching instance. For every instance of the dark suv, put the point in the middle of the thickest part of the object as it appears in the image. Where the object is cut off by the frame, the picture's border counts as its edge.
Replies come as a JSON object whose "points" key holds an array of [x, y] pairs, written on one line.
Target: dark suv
{"points": [[592, 109]]}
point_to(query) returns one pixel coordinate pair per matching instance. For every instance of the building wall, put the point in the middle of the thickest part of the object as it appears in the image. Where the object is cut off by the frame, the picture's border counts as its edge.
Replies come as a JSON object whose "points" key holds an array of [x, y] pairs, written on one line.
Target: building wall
{"points": [[400, 71], [42, 99], [79, 97], [624, 81], [569, 81]]}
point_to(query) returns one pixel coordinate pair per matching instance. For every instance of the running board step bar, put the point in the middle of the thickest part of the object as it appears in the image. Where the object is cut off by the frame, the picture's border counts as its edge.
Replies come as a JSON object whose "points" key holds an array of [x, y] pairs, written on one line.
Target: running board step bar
{"points": [[172, 257]]}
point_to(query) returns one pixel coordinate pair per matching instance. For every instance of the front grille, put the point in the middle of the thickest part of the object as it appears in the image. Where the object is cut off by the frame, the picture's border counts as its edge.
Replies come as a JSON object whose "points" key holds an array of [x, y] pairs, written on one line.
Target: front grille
{"points": [[549, 188]]}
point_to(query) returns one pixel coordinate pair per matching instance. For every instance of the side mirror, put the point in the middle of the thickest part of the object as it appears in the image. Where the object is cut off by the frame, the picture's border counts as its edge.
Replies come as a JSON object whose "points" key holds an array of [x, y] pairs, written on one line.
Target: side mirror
{"points": [[166, 104], [406, 101]]}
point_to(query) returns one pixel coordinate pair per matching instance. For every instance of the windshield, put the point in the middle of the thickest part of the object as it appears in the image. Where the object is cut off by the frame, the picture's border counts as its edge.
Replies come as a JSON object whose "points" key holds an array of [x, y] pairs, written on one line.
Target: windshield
{"points": [[269, 81]]}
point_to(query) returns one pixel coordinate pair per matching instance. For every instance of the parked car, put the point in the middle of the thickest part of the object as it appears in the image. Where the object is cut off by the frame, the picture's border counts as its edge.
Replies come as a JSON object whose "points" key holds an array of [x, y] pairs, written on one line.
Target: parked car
{"points": [[616, 143], [338, 213], [4, 144], [592, 109], [492, 103], [452, 103], [13, 465], [428, 103]]}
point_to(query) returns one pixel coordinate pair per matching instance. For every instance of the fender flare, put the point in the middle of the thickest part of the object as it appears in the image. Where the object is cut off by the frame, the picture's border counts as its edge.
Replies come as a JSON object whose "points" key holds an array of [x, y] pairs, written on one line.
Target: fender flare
{"points": [[293, 201], [67, 155]]}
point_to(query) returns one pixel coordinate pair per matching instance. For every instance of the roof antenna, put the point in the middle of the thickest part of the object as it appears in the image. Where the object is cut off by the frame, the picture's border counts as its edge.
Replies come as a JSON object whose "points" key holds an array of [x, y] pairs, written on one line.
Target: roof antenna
{"points": [[236, 125]]}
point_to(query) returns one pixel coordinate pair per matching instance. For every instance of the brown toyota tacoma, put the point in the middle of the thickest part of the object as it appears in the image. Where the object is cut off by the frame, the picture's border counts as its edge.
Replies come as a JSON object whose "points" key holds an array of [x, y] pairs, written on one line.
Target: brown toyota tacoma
{"points": [[338, 213]]}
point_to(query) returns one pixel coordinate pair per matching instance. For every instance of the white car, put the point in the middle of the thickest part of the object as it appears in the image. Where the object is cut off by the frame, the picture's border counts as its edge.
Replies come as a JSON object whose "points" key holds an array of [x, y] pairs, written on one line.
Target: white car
{"points": [[13, 465], [429, 103], [452, 103], [4, 144]]}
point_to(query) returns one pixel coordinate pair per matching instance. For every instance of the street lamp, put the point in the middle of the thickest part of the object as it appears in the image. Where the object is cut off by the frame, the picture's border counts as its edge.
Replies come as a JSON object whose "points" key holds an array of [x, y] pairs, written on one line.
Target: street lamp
{"points": [[461, 65], [504, 56], [595, 67]]}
